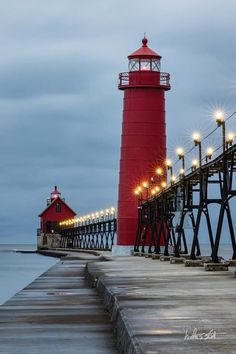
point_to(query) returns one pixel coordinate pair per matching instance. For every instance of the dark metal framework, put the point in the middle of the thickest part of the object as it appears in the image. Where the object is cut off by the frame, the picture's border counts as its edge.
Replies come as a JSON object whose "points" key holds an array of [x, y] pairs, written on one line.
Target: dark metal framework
{"points": [[191, 197], [97, 235]]}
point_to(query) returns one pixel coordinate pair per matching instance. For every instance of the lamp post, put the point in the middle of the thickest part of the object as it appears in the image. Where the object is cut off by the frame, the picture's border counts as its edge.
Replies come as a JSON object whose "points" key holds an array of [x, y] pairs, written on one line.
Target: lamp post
{"points": [[138, 193], [194, 165], [168, 164], [173, 179], [146, 188], [197, 141], [163, 184], [219, 117], [209, 153], [157, 189], [229, 139], [159, 172], [180, 154]]}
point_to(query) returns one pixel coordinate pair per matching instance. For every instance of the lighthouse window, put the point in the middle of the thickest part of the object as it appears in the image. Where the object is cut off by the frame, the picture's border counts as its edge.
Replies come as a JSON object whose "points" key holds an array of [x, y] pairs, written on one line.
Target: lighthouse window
{"points": [[145, 64], [58, 207], [134, 65], [156, 65]]}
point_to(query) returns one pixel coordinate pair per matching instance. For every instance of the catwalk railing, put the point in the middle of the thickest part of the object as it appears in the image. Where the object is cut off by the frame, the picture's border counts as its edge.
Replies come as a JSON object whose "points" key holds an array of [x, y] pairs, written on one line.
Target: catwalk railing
{"points": [[96, 234], [201, 201]]}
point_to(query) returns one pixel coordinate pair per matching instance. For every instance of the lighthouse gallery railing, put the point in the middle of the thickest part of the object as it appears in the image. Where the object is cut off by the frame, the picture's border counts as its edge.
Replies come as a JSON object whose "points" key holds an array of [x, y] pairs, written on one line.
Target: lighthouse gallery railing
{"points": [[161, 79]]}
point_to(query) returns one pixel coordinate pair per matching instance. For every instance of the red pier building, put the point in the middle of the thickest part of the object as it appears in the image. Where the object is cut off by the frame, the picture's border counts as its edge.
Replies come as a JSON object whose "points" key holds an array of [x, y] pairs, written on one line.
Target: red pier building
{"points": [[143, 140], [57, 210]]}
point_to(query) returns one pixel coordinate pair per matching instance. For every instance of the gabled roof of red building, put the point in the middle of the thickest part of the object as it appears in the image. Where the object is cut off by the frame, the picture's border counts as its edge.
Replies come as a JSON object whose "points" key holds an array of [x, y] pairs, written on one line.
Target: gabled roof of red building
{"points": [[144, 52], [53, 202]]}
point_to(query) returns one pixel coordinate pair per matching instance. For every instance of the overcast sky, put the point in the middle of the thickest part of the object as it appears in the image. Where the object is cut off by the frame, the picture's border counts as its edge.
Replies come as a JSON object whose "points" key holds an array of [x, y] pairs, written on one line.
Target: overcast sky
{"points": [[60, 109]]}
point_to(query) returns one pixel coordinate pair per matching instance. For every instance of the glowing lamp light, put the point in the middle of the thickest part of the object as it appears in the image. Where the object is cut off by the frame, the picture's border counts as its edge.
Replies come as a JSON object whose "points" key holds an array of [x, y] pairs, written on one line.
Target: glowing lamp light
{"points": [[153, 191], [230, 137], [219, 117], [194, 163], [157, 189], [209, 152], [139, 189], [196, 138], [136, 192], [163, 184], [168, 163], [145, 184], [159, 171], [180, 152], [173, 178], [182, 171]]}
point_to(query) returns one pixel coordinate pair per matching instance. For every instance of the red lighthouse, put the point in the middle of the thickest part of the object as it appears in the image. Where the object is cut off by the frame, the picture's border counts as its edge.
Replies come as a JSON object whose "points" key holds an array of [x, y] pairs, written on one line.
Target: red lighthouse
{"points": [[143, 140], [57, 210]]}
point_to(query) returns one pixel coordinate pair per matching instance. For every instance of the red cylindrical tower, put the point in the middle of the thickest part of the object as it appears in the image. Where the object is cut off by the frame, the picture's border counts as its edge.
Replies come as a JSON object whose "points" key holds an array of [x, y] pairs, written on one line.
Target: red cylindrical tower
{"points": [[143, 140]]}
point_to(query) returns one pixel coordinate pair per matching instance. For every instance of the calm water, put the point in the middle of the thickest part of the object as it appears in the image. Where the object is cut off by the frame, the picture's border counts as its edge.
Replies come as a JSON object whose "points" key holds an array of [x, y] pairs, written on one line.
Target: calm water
{"points": [[19, 269], [225, 250]]}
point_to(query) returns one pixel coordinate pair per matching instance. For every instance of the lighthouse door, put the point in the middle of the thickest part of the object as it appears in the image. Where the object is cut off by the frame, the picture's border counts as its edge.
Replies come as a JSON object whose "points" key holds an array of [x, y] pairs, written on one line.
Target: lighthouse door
{"points": [[48, 227]]}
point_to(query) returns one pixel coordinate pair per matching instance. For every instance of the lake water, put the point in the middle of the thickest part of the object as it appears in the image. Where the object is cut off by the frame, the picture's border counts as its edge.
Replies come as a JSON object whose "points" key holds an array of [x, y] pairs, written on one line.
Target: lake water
{"points": [[17, 270], [225, 250]]}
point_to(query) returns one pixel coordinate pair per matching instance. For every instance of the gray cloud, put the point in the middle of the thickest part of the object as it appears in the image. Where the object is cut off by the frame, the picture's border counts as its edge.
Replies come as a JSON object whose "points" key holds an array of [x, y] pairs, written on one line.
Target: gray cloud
{"points": [[60, 110]]}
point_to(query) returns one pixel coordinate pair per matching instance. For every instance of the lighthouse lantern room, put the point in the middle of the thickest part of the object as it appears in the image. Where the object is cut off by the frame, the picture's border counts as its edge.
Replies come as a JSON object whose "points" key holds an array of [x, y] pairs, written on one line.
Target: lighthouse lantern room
{"points": [[144, 59]]}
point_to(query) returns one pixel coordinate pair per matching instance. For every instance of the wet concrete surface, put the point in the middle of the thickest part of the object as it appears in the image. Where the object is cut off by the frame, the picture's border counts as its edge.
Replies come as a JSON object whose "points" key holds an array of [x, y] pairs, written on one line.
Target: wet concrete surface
{"points": [[154, 307], [160, 307], [58, 313]]}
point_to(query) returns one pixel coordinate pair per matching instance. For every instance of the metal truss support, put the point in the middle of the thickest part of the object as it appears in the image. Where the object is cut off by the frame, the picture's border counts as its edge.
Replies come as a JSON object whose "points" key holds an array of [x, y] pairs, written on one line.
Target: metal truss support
{"points": [[210, 184]]}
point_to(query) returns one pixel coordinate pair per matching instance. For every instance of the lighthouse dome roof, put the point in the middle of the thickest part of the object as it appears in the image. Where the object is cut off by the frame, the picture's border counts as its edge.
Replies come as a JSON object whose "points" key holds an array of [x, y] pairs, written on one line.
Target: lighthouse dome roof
{"points": [[144, 52]]}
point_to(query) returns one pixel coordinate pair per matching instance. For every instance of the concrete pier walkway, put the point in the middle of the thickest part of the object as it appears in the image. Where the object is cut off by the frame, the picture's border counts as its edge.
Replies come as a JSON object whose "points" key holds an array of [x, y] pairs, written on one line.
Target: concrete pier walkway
{"points": [[153, 307], [58, 313], [158, 307]]}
